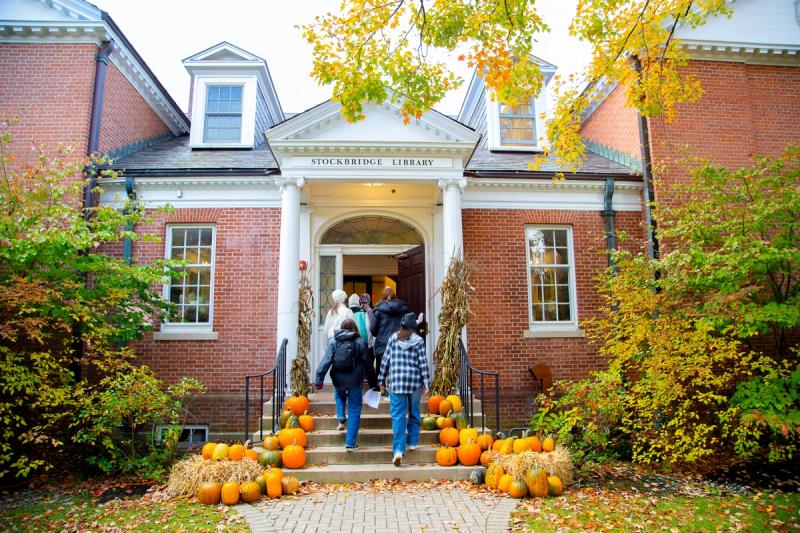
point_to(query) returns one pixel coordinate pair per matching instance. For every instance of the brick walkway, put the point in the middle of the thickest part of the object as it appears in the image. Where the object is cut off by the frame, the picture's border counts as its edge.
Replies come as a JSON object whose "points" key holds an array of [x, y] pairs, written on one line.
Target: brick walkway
{"points": [[346, 512]]}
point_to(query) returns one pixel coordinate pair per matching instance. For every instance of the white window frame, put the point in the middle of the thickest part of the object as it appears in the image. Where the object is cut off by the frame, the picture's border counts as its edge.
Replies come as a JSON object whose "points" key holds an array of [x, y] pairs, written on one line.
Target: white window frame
{"points": [[218, 113], [189, 328], [249, 86], [494, 132], [553, 328]]}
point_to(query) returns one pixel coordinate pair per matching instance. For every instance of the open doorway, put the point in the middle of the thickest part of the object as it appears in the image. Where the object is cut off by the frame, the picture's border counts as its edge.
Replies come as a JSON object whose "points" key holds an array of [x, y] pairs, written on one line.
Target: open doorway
{"points": [[369, 274]]}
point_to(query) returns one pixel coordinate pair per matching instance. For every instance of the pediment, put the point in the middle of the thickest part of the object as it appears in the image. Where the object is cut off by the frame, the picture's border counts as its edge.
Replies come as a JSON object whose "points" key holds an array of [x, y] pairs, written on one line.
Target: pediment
{"points": [[53, 11], [223, 51]]}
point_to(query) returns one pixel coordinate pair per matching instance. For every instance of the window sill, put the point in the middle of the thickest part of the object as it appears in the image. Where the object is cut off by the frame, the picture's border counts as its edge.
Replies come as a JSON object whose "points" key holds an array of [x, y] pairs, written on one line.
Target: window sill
{"points": [[214, 145], [207, 335], [516, 148], [553, 333]]}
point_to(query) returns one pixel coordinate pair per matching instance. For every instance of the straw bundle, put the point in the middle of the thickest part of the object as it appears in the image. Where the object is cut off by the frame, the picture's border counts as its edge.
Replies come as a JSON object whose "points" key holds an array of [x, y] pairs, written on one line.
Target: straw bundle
{"points": [[457, 292], [300, 370], [556, 463], [187, 475]]}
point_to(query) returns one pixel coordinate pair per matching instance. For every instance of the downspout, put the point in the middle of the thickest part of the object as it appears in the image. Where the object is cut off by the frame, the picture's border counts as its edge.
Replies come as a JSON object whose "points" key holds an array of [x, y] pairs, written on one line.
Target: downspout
{"points": [[127, 243], [609, 215], [647, 174], [101, 67]]}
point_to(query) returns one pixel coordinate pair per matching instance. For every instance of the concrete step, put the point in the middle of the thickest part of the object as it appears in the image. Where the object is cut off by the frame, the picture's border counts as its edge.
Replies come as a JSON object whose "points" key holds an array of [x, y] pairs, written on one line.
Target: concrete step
{"points": [[337, 455], [323, 403], [369, 420], [367, 472], [366, 437]]}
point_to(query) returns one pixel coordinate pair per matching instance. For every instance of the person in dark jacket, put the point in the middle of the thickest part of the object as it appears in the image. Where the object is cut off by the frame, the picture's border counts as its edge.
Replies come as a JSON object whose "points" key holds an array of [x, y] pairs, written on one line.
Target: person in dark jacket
{"points": [[348, 361], [388, 315]]}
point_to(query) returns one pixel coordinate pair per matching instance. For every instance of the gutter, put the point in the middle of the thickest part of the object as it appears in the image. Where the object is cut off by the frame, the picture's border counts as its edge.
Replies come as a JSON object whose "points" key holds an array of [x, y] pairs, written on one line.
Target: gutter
{"points": [[101, 67], [609, 216], [127, 243], [199, 172], [530, 174]]}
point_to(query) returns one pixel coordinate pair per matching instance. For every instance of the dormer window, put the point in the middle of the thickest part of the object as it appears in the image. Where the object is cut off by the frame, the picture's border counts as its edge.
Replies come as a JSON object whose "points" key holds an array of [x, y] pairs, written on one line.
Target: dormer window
{"points": [[518, 124], [223, 121]]}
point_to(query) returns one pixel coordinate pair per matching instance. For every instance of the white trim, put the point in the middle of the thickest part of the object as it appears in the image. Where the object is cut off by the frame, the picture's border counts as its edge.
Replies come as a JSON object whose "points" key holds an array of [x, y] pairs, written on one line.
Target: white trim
{"points": [[185, 335], [554, 332], [493, 125], [181, 328], [742, 52], [247, 132], [553, 327]]}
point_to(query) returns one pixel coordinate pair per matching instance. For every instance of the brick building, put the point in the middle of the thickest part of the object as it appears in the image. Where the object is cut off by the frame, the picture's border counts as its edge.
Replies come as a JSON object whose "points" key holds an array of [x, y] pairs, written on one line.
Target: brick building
{"points": [[256, 190]]}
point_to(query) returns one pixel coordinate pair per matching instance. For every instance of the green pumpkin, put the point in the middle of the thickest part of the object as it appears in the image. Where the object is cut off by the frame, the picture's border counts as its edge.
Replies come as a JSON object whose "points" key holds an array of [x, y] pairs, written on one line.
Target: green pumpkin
{"points": [[270, 458], [460, 420], [429, 423], [262, 484], [478, 476], [292, 422]]}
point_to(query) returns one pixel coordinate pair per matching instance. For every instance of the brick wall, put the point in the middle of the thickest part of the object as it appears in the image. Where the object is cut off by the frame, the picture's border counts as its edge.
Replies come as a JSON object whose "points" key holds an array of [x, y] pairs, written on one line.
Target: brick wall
{"points": [[245, 300], [49, 87], [494, 241], [613, 124], [127, 117]]}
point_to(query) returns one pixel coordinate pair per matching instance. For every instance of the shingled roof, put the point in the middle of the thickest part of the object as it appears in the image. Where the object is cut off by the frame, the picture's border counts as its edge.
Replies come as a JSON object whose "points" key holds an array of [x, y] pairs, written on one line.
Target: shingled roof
{"points": [[484, 160]]}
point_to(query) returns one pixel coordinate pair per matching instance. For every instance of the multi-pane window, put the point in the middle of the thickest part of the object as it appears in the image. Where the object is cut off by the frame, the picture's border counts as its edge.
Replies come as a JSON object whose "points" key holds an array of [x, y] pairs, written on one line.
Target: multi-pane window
{"points": [[551, 275], [223, 122], [327, 283], [518, 124], [191, 291]]}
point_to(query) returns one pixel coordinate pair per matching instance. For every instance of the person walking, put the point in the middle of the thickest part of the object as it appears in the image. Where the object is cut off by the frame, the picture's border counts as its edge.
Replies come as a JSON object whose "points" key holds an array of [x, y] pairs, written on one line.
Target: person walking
{"points": [[338, 313], [405, 365], [388, 314], [360, 317], [348, 362]]}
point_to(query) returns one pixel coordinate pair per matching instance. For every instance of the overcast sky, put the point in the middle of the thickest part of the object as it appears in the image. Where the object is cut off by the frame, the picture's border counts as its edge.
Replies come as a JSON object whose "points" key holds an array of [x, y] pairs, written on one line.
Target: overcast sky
{"points": [[166, 31]]}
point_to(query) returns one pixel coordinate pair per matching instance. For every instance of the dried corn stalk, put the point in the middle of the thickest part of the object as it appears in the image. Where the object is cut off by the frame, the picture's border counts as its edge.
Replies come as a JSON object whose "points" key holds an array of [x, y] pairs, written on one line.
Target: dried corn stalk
{"points": [[300, 371], [456, 292]]}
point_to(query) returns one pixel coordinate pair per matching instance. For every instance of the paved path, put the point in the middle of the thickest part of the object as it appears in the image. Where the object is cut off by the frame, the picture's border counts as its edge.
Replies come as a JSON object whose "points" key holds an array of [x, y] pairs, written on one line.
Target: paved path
{"points": [[345, 512]]}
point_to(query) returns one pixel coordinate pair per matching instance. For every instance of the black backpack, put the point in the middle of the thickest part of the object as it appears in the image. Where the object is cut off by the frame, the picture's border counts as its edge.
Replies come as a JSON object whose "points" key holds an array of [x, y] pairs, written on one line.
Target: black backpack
{"points": [[344, 356]]}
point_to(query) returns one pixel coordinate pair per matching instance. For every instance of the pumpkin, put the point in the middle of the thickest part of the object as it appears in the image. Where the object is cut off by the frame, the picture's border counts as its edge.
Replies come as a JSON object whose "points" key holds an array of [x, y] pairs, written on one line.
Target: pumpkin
{"points": [[521, 445], [289, 436], [271, 442], [507, 448], [468, 434], [536, 444], [485, 441], [230, 493], [444, 422], [446, 456], [236, 452], [429, 423], [469, 453], [518, 489], [261, 481], [433, 403], [460, 420], [487, 457], [455, 402], [290, 485], [445, 407], [270, 458], [284, 417], [209, 493], [306, 422], [554, 486], [298, 404], [220, 452], [478, 476], [548, 444], [273, 470], [493, 475], [294, 456], [249, 492], [448, 437], [251, 454], [208, 450], [496, 445], [505, 482], [273, 478], [292, 422], [536, 480]]}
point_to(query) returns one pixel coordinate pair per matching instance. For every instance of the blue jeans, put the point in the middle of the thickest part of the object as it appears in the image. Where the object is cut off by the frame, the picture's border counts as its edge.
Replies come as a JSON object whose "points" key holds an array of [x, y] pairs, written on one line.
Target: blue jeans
{"points": [[406, 421], [350, 399]]}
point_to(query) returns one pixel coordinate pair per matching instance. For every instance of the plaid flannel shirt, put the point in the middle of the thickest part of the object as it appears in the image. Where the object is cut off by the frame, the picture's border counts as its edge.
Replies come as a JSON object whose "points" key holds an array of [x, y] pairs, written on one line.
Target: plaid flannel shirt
{"points": [[405, 367]]}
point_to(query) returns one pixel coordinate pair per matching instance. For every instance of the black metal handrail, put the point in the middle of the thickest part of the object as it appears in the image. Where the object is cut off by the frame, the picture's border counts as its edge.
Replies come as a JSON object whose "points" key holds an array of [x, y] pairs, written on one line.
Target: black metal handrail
{"points": [[278, 394], [467, 389]]}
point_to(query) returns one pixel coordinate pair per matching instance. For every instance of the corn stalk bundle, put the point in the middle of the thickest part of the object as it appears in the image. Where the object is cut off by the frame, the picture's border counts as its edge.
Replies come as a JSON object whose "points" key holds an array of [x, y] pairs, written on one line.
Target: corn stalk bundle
{"points": [[187, 475], [456, 292], [555, 463], [300, 371]]}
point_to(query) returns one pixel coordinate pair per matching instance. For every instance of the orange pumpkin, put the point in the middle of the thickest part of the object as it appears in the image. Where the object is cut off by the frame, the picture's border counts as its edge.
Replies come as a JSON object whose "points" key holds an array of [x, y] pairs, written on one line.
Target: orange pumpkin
{"points": [[307, 422], [290, 485], [445, 407], [273, 478], [446, 456], [469, 453], [448, 437], [444, 422], [208, 450], [536, 444], [250, 453], [487, 457], [433, 404], [236, 452], [298, 404], [505, 482], [485, 441], [209, 493], [294, 456], [496, 445], [548, 444], [289, 436], [272, 470], [521, 445], [554, 486], [230, 493], [271, 442], [518, 489], [249, 492]]}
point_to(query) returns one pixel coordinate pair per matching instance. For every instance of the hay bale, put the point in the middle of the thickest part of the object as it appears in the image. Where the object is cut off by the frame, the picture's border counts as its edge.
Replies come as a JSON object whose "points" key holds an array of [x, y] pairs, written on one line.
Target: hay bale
{"points": [[187, 475], [556, 463]]}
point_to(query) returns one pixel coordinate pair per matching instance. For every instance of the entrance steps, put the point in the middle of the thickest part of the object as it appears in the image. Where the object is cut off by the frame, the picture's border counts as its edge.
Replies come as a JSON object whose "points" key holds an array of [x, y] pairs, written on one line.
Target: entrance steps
{"points": [[327, 460]]}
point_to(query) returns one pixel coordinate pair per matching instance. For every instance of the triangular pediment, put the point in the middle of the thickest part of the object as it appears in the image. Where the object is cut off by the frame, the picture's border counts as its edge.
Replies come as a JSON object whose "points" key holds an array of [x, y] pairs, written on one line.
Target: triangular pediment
{"points": [[53, 11], [223, 51]]}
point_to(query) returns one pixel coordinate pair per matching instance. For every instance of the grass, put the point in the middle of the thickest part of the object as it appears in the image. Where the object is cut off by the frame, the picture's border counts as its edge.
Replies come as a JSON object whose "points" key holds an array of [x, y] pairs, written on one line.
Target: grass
{"points": [[621, 510]]}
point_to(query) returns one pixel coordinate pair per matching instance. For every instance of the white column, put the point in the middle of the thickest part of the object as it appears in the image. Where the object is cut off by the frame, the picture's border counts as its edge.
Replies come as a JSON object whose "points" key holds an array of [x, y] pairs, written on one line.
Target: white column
{"points": [[288, 264], [453, 242]]}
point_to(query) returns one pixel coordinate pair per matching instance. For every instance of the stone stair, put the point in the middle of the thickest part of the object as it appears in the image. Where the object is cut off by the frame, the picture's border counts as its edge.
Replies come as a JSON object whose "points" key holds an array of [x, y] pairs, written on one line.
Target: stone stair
{"points": [[327, 461]]}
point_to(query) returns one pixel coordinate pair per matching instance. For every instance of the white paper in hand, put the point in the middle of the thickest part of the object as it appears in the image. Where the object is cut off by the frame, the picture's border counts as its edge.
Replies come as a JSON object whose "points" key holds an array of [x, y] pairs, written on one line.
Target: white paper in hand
{"points": [[372, 398]]}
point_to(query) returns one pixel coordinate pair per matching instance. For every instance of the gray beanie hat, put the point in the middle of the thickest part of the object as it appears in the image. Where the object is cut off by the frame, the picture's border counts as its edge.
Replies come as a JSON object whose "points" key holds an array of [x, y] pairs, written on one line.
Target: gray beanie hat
{"points": [[409, 321], [339, 296], [354, 300]]}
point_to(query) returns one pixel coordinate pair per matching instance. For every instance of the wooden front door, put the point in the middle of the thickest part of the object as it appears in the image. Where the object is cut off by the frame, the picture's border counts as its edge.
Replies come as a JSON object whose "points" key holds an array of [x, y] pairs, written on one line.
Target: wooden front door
{"points": [[411, 280]]}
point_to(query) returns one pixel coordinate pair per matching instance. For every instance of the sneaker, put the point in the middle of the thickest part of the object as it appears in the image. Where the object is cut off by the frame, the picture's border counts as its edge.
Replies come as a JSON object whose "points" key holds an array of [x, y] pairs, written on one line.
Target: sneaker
{"points": [[350, 448], [340, 427], [412, 447], [398, 457]]}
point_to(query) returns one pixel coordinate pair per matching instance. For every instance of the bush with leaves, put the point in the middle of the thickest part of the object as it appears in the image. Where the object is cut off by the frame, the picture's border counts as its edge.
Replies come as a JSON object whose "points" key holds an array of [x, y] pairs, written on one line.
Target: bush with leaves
{"points": [[703, 342], [66, 308]]}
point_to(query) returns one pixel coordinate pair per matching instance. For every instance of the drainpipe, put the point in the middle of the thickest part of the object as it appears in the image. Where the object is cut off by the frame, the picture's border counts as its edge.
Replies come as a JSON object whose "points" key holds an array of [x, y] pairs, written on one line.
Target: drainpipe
{"points": [[647, 174], [609, 215], [101, 59], [127, 243]]}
